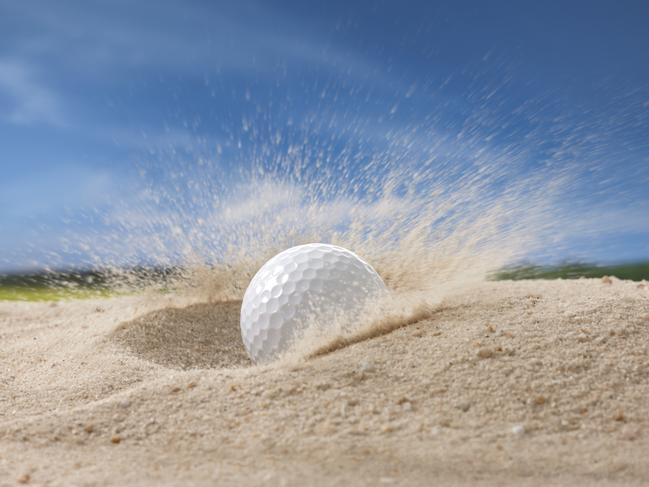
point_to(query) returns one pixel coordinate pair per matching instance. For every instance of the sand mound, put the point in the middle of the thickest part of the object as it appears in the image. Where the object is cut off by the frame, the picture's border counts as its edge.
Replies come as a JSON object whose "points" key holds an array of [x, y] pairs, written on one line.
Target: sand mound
{"points": [[526, 383], [198, 336]]}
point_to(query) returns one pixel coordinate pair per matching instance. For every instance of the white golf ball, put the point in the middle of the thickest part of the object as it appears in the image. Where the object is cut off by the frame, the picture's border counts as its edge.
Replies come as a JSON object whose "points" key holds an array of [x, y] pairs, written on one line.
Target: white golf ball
{"points": [[302, 286]]}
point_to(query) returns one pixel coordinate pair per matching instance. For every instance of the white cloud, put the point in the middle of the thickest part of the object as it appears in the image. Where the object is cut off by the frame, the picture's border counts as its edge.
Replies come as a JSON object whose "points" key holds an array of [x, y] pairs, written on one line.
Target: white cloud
{"points": [[29, 100], [110, 43], [614, 221], [180, 37], [53, 189]]}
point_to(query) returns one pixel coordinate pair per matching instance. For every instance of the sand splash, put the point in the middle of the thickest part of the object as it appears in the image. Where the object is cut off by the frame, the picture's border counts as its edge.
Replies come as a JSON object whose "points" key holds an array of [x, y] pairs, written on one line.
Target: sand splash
{"points": [[419, 221], [433, 208]]}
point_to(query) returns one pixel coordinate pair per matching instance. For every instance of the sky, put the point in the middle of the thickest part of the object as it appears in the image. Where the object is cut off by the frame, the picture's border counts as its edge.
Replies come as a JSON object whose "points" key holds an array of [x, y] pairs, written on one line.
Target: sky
{"points": [[89, 90]]}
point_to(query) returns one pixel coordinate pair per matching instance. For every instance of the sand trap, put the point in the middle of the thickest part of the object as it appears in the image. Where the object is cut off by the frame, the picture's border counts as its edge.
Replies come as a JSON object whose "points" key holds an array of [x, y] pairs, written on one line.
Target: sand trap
{"points": [[527, 383]]}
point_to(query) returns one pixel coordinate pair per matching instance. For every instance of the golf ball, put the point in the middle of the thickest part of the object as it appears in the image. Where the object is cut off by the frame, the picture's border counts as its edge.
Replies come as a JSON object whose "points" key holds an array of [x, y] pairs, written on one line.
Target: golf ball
{"points": [[303, 286]]}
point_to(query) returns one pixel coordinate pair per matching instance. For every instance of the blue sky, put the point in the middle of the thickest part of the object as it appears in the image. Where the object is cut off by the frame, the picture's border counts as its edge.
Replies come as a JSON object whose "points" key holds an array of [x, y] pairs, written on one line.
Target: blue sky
{"points": [[90, 89]]}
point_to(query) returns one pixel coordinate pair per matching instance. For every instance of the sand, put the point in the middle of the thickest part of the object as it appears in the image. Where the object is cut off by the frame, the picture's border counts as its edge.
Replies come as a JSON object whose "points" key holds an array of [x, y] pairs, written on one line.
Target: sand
{"points": [[505, 383]]}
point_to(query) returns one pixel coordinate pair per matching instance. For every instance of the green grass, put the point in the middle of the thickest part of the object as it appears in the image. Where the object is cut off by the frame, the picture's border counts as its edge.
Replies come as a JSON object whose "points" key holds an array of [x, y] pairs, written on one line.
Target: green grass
{"points": [[637, 271], [88, 285], [54, 286], [45, 293]]}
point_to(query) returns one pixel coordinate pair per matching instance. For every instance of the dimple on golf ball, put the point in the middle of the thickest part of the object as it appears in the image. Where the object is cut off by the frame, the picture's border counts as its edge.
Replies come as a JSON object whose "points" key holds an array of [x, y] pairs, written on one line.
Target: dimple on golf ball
{"points": [[301, 287]]}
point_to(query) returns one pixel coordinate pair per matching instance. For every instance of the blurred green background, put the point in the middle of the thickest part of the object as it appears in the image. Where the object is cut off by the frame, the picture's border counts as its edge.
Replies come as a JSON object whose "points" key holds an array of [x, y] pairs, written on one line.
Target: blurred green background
{"points": [[55, 286]]}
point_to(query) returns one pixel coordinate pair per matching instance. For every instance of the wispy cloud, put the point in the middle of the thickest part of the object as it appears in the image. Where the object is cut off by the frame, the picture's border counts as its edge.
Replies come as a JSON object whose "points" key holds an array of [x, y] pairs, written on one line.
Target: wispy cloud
{"points": [[182, 37], [112, 47], [55, 189], [29, 100]]}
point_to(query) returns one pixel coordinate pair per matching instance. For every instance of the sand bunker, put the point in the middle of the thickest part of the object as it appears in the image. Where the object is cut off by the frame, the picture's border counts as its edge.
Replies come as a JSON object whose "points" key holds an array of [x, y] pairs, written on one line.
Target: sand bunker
{"points": [[519, 383]]}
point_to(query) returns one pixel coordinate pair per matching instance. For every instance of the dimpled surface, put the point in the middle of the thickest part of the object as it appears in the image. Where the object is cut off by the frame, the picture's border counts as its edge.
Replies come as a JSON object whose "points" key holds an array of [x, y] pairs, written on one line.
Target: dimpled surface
{"points": [[304, 285]]}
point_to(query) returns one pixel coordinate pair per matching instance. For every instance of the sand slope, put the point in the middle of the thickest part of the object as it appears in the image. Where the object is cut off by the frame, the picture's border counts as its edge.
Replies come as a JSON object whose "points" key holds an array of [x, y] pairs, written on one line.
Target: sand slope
{"points": [[526, 383]]}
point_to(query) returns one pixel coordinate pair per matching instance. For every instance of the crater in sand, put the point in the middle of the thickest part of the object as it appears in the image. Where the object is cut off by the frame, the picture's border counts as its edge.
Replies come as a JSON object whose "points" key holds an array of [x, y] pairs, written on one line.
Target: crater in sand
{"points": [[198, 336]]}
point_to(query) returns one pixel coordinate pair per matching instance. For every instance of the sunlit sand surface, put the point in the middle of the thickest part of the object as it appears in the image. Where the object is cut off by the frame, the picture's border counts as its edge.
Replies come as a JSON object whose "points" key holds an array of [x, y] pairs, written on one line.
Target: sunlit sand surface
{"points": [[500, 383]]}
